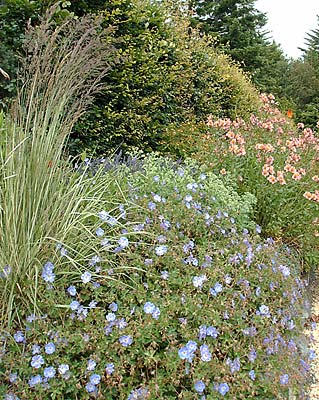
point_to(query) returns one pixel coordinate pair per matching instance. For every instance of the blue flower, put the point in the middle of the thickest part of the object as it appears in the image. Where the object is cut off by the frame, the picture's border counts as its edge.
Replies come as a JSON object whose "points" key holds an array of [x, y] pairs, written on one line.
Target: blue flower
{"points": [[234, 365], [191, 345], [223, 388], [74, 305], [112, 221], [104, 216], [212, 331], [160, 250], [63, 251], [216, 289], [10, 396], [37, 361], [92, 304], [126, 340], [91, 365], [35, 380], [184, 353], [49, 348], [156, 313], [199, 386], [202, 332], [86, 277], [123, 242], [109, 368], [19, 337], [121, 323], [157, 198], [95, 379], [63, 368], [284, 270], [312, 355], [110, 317], [149, 307], [151, 205], [188, 247], [105, 242], [49, 372], [252, 375], [263, 311], [284, 379], [47, 272], [6, 271], [199, 280], [139, 394], [113, 307], [71, 290], [90, 387], [164, 275], [252, 355], [99, 232], [94, 260], [13, 377], [165, 225], [205, 353]]}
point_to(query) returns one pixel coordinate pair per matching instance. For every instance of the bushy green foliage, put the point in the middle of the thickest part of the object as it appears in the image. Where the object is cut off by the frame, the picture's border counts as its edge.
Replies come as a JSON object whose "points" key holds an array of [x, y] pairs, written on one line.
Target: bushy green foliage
{"points": [[177, 302], [14, 16]]}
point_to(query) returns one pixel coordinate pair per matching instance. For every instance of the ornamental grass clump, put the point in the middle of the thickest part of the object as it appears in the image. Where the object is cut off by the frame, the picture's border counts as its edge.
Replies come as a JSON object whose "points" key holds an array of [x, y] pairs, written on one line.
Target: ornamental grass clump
{"points": [[211, 310], [40, 199]]}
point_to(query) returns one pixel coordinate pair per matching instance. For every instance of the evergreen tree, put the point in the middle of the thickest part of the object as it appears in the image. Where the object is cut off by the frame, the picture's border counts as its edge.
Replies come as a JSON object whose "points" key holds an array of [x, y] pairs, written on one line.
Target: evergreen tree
{"points": [[237, 25], [239, 28], [304, 80]]}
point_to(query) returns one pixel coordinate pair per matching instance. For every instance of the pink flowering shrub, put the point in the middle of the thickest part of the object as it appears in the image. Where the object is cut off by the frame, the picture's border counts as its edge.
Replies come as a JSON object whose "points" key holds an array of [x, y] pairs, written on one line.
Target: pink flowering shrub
{"points": [[270, 157]]}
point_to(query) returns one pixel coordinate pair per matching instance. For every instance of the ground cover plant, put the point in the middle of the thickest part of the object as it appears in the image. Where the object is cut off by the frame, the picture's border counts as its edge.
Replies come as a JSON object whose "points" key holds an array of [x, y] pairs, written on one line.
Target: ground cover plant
{"points": [[179, 300], [269, 156]]}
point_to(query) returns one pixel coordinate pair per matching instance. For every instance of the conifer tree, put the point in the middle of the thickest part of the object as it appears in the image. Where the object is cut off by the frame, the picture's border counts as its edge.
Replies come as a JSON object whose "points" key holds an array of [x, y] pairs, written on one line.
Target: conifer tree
{"points": [[236, 24]]}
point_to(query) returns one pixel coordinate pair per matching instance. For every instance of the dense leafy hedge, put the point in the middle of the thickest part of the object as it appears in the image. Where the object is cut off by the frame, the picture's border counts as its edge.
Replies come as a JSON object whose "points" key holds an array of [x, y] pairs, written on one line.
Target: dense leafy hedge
{"points": [[169, 74], [176, 300]]}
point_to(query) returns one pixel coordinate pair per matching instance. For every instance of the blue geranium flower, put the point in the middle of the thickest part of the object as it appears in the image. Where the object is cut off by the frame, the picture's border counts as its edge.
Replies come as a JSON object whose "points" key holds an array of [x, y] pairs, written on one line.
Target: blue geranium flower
{"points": [[126, 340], [37, 361], [109, 368], [160, 250], [95, 379], [205, 354], [86, 277], [284, 379], [91, 365], [223, 388], [35, 380], [19, 337], [199, 386], [49, 372], [49, 348]]}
